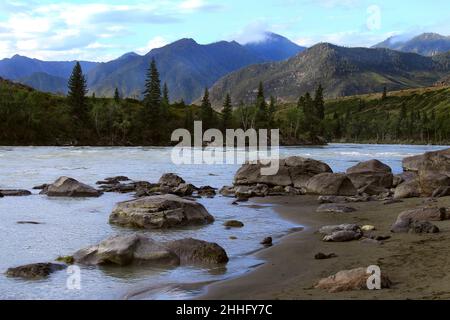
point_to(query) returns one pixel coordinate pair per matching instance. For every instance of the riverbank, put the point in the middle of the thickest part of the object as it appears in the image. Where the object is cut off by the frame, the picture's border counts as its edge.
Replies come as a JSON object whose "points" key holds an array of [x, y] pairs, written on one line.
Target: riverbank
{"points": [[417, 264]]}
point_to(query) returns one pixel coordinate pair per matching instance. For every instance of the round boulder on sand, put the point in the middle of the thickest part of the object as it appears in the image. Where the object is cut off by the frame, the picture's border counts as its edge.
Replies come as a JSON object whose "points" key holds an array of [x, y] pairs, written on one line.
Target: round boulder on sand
{"points": [[371, 173], [331, 184]]}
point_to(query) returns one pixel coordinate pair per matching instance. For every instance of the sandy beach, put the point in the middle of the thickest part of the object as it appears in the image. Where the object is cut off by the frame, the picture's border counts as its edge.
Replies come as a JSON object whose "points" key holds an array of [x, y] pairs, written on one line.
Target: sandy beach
{"points": [[417, 264]]}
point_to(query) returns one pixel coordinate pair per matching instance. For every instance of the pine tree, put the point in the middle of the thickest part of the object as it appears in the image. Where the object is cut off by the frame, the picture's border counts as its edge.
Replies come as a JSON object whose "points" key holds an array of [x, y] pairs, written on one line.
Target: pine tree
{"points": [[207, 113], [152, 93], [261, 108], [227, 113], [116, 95], [165, 98], [271, 112], [319, 103], [77, 93], [384, 95]]}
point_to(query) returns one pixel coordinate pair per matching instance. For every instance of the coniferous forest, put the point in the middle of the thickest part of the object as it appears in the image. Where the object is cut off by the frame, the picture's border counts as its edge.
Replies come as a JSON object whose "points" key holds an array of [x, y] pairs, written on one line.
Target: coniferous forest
{"points": [[30, 117]]}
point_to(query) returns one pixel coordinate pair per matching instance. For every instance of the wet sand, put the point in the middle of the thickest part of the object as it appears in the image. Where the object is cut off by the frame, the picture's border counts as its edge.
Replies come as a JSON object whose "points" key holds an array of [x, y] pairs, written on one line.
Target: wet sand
{"points": [[418, 264]]}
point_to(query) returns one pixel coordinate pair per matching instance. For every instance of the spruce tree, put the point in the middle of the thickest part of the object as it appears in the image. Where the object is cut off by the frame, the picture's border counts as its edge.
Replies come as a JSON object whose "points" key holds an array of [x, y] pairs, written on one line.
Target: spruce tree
{"points": [[165, 97], [207, 113], [384, 95], [116, 95], [261, 108], [227, 113], [77, 93], [319, 103], [271, 112], [152, 93]]}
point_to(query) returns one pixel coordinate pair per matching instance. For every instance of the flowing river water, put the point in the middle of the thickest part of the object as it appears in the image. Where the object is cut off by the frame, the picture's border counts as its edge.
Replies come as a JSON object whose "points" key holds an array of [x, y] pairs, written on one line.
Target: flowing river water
{"points": [[67, 225]]}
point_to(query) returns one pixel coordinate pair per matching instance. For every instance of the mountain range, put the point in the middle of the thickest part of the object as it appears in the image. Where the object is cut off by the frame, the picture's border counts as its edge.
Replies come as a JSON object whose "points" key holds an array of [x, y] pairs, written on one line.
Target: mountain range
{"points": [[427, 44], [341, 71], [186, 66], [189, 67]]}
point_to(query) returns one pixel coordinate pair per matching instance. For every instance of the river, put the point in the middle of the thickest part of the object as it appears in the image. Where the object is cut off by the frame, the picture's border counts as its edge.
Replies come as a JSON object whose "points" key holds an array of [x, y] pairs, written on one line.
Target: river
{"points": [[70, 224]]}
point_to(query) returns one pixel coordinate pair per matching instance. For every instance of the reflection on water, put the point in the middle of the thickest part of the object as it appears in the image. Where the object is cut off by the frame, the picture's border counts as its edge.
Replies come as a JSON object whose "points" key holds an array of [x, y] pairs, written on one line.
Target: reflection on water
{"points": [[71, 224]]}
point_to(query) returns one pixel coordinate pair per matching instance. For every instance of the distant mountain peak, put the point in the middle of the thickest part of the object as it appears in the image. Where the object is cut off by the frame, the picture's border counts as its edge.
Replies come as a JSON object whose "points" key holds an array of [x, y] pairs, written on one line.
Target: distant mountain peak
{"points": [[427, 44], [128, 55], [274, 47]]}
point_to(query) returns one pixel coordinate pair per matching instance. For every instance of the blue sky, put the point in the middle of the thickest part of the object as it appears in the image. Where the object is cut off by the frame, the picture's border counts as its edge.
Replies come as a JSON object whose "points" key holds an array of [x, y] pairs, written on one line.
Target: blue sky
{"points": [[102, 30]]}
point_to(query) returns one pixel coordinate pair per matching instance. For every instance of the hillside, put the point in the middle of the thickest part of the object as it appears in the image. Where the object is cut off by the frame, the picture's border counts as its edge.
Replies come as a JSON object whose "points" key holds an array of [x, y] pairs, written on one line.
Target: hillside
{"points": [[341, 71], [46, 83], [427, 44], [414, 116]]}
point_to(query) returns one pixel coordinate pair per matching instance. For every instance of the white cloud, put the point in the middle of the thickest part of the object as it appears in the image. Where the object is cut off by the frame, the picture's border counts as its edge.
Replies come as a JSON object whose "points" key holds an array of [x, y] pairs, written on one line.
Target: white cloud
{"points": [[253, 32], [154, 43], [67, 30]]}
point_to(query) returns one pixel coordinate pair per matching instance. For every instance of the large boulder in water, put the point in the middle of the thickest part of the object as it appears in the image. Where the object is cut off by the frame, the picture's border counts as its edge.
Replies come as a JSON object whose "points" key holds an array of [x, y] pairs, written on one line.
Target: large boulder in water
{"points": [[170, 180], [192, 251], [372, 173], [293, 171], [69, 187], [126, 250], [160, 212], [331, 184]]}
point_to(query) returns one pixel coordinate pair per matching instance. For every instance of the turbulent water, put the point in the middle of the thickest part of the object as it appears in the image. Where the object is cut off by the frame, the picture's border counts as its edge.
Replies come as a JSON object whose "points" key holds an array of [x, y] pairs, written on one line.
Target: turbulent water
{"points": [[70, 224]]}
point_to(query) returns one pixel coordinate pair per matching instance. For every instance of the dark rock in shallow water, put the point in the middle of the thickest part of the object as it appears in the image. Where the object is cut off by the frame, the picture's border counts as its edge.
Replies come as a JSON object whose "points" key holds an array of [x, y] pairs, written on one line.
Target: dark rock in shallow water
{"points": [[233, 224], [28, 222], [40, 187], [34, 271], [15, 193], [206, 191], [267, 242], [69, 187], [171, 180]]}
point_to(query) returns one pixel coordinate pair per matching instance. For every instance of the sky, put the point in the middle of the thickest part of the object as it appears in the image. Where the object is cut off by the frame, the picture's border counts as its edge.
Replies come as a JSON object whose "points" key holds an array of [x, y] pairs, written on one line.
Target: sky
{"points": [[99, 30]]}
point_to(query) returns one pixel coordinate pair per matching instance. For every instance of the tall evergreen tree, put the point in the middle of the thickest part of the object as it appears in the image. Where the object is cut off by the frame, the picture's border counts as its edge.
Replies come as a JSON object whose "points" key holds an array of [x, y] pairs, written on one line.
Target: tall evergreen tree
{"points": [[77, 93], [227, 112], [384, 95], [261, 120], [319, 103], [116, 95], [207, 113], [271, 112], [165, 96], [152, 93]]}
